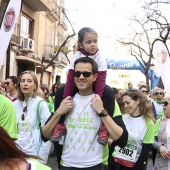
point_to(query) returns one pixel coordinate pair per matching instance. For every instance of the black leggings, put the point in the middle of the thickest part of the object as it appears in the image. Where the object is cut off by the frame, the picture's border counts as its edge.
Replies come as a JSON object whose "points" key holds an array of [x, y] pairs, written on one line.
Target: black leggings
{"points": [[97, 167]]}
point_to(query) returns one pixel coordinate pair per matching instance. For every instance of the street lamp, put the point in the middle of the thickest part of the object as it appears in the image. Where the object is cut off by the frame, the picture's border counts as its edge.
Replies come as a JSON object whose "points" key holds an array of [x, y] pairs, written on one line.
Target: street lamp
{"points": [[152, 74]]}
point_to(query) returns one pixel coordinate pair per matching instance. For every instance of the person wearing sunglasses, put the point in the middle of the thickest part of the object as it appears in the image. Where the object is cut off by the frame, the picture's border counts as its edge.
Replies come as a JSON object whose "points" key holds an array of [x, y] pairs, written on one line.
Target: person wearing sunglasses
{"points": [[140, 126], [84, 113], [162, 138], [29, 132], [159, 94], [87, 47], [11, 88]]}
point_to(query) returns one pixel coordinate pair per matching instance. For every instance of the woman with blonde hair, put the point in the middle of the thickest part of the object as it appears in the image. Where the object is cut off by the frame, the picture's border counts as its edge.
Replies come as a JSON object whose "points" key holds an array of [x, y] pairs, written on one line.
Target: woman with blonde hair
{"points": [[159, 94], [11, 158], [31, 117], [140, 126]]}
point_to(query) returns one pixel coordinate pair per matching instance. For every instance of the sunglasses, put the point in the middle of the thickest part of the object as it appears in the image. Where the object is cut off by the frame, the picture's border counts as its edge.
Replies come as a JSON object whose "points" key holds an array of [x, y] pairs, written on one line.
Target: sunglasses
{"points": [[85, 74], [7, 83], [144, 91], [159, 93], [165, 103], [24, 111]]}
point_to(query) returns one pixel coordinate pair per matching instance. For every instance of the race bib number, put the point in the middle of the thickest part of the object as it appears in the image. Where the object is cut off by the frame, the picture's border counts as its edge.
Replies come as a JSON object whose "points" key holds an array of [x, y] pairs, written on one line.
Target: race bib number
{"points": [[128, 153]]}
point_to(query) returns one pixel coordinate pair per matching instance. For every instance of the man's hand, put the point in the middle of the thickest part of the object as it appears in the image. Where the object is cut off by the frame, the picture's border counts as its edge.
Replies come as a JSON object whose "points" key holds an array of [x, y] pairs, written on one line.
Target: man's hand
{"points": [[65, 106], [97, 104]]}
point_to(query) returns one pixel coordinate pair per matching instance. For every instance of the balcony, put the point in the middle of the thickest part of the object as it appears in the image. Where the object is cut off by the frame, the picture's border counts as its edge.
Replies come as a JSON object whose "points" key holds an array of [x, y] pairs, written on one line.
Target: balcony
{"points": [[64, 26], [15, 39], [37, 5], [54, 13]]}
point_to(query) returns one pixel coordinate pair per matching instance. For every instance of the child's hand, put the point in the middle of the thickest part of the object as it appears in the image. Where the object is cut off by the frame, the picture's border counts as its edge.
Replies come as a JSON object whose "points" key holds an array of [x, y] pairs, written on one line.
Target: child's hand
{"points": [[66, 105], [97, 104]]}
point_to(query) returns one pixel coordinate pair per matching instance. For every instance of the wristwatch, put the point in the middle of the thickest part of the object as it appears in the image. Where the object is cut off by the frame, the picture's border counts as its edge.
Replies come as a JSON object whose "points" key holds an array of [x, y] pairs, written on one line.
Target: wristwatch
{"points": [[103, 113]]}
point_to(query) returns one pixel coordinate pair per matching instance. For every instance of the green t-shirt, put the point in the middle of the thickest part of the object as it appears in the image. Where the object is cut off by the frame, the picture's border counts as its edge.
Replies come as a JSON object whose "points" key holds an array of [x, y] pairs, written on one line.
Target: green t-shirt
{"points": [[38, 165], [8, 117], [117, 112]]}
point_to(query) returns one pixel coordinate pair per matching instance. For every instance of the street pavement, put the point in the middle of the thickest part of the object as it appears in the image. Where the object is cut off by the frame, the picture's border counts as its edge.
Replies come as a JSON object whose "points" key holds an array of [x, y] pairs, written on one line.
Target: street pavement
{"points": [[54, 164]]}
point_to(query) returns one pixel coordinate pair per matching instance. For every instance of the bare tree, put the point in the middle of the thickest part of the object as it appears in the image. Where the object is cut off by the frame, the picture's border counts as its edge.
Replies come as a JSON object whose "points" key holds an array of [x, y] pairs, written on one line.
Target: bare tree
{"points": [[153, 26], [140, 45], [44, 67], [154, 15]]}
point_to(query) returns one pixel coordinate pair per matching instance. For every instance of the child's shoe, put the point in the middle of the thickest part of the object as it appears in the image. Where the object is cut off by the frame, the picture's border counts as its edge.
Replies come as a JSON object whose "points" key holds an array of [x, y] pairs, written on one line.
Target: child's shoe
{"points": [[103, 135], [59, 131]]}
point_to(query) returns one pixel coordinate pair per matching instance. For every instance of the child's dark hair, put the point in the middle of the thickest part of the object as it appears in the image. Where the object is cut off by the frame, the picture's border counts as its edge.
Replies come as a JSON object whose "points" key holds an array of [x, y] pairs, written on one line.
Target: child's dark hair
{"points": [[83, 31]]}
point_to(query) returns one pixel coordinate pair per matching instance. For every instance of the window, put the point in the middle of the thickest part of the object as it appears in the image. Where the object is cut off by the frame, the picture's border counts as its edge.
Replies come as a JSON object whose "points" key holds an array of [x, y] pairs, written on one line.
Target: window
{"points": [[27, 26]]}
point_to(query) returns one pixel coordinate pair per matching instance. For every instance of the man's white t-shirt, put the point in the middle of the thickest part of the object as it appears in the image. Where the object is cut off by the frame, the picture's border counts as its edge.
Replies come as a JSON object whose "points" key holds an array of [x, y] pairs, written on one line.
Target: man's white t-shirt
{"points": [[81, 148]]}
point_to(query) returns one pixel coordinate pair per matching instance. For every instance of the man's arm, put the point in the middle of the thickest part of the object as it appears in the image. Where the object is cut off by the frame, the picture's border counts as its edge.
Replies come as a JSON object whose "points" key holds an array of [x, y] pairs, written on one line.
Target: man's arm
{"points": [[65, 106], [114, 130]]}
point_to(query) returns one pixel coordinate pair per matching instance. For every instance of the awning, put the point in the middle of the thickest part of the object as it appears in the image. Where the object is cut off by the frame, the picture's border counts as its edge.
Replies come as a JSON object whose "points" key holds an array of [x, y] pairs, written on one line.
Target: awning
{"points": [[27, 60]]}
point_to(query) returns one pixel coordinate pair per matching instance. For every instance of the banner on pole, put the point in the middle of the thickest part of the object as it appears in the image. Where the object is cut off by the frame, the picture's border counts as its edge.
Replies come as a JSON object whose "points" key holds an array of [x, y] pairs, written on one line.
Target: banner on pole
{"points": [[161, 55], [7, 26]]}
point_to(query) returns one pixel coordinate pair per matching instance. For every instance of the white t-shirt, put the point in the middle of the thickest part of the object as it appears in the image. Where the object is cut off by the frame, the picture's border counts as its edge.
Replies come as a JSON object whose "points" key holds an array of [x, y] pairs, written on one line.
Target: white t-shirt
{"points": [[140, 131], [101, 61], [25, 138], [81, 148]]}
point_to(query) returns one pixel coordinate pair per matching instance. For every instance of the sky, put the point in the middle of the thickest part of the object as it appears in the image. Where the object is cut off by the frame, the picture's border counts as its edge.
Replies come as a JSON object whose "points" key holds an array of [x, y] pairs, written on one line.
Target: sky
{"points": [[108, 19]]}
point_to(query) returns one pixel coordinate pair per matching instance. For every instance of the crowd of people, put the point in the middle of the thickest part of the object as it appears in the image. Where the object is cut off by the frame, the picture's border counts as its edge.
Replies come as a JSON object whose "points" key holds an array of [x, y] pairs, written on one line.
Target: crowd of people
{"points": [[92, 126]]}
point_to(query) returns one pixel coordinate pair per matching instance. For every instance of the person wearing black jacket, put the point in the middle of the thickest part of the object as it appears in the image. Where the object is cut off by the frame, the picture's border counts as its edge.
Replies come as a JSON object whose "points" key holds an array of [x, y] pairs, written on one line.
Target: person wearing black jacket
{"points": [[118, 133]]}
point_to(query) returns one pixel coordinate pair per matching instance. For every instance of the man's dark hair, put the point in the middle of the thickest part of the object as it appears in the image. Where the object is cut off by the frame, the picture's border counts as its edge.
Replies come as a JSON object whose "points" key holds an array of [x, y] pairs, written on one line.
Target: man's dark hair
{"points": [[142, 86], [117, 90], [87, 60], [129, 83], [14, 79]]}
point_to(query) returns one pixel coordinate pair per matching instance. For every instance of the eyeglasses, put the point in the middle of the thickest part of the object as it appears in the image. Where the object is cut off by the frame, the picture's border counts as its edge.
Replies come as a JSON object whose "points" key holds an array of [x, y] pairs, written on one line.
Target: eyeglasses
{"points": [[24, 111], [165, 103], [159, 93], [144, 91], [7, 83], [85, 74]]}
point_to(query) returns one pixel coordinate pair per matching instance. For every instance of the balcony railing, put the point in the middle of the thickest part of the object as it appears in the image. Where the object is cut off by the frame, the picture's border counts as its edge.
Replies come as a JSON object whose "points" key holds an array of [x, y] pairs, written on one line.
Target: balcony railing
{"points": [[15, 38], [64, 26], [54, 13]]}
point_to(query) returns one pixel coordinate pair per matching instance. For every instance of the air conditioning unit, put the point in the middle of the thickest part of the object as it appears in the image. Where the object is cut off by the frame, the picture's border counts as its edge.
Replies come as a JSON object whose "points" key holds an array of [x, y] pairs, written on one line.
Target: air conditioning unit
{"points": [[26, 44]]}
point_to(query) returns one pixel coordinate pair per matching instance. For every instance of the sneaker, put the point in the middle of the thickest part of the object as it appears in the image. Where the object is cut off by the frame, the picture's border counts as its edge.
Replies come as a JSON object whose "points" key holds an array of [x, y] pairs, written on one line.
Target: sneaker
{"points": [[103, 136], [59, 131]]}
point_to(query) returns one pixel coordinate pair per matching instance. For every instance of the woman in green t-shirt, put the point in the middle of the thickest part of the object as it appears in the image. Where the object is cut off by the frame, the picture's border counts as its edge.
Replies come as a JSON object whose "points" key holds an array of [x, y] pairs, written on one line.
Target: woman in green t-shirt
{"points": [[140, 126]]}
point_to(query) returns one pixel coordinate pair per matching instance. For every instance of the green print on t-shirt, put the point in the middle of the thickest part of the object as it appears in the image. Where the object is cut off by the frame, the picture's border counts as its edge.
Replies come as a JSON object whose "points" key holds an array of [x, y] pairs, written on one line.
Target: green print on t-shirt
{"points": [[83, 122]]}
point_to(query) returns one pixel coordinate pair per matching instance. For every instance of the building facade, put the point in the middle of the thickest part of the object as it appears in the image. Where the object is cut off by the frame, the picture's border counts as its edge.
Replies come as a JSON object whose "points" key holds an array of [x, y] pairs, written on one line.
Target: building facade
{"points": [[39, 29]]}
